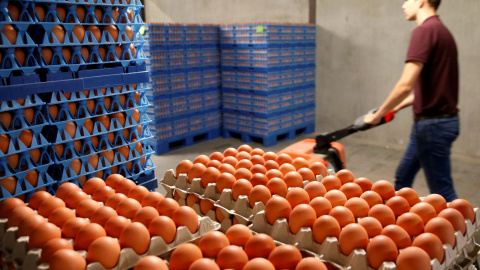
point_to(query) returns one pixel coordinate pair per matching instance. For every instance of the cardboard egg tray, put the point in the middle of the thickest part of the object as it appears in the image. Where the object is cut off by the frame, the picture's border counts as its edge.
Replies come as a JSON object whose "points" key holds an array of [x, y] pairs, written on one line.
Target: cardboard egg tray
{"points": [[16, 248], [464, 253]]}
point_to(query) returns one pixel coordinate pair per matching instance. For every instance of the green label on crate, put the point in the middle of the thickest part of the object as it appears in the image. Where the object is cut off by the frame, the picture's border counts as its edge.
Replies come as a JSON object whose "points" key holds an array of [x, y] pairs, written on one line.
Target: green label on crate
{"points": [[259, 29]]}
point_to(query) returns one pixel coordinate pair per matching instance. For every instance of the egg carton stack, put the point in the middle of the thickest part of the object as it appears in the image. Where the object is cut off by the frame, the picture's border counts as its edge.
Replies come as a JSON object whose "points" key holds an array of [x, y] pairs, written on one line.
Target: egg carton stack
{"points": [[109, 224], [184, 80], [86, 63], [343, 220], [24, 156], [267, 71]]}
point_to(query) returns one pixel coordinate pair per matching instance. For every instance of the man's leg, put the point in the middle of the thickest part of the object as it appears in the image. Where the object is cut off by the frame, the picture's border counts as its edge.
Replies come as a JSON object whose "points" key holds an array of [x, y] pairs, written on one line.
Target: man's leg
{"points": [[409, 165]]}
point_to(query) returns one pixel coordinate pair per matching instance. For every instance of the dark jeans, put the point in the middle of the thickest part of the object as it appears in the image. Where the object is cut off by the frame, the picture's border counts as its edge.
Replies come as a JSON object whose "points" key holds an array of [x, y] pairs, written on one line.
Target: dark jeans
{"points": [[429, 149]]}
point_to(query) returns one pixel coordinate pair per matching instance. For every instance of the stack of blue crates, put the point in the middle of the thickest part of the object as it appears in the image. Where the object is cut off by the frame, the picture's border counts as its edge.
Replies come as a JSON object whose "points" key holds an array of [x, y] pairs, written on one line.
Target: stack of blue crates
{"points": [[184, 65], [268, 81], [73, 103]]}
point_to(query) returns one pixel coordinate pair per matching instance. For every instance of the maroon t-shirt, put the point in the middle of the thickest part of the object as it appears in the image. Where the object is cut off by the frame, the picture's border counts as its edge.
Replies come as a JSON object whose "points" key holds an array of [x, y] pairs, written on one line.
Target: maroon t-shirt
{"points": [[436, 91]]}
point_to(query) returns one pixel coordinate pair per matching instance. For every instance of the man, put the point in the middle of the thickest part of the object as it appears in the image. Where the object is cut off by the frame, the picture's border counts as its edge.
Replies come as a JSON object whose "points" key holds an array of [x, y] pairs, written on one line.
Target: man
{"points": [[431, 70]]}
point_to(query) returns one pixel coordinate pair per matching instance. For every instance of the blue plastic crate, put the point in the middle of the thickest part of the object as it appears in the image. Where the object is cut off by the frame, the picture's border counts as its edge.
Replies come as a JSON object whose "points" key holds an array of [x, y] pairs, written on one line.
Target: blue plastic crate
{"points": [[24, 187]]}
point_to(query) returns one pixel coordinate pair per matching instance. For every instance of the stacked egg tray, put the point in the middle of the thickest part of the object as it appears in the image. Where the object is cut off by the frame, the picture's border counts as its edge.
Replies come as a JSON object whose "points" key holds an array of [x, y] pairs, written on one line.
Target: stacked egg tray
{"points": [[267, 70], [24, 153], [184, 85], [51, 37], [462, 255], [19, 252]]}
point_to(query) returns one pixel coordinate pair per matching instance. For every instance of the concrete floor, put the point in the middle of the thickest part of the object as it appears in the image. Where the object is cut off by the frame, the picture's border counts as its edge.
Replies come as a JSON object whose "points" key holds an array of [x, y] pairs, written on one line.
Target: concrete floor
{"points": [[371, 161]]}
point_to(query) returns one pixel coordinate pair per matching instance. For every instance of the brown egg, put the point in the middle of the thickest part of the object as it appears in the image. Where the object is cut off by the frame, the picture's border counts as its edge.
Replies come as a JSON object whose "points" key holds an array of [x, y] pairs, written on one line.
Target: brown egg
{"points": [[431, 244], [292, 178], [413, 258], [102, 215], [75, 197], [183, 167], [186, 216], [399, 205], [259, 179], [425, 210], [115, 225], [277, 207], [135, 236], [79, 32], [343, 215], [64, 189], [410, 195], [20, 55], [277, 186], [32, 177], [53, 246], [285, 257], [272, 164], [59, 33], [241, 187], [209, 175], [383, 213], [259, 193], [109, 155], [9, 183], [284, 158], [13, 10], [37, 198], [384, 188], [372, 198], [145, 215], [204, 263], [43, 233], [183, 256], [212, 242], [318, 168], [244, 163], [351, 190], [92, 184], [29, 114], [152, 199], [129, 32], [398, 235], [28, 223], [226, 168], [270, 156], [61, 13], [464, 207], [296, 196], [50, 204], [238, 235], [371, 225], [336, 197], [124, 186], [321, 206], [437, 201], [232, 257], [10, 33], [345, 176], [225, 181], [442, 228], [35, 154], [331, 182], [353, 236], [286, 168], [303, 215], [104, 120], [206, 206], [68, 56], [128, 207], [86, 208], [63, 257], [86, 56], [455, 217], [364, 183], [243, 173], [196, 171], [164, 227], [113, 180], [150, 262], [307, 174], [381, 249], [358, 206], [257, 160], [6, 119], [138, 193], [98, 14], [167, 207], [87, 234], [105, 250], [230, 160], [411, 223], [18, 214], [72, 226], [8, 205], [61, 215]]}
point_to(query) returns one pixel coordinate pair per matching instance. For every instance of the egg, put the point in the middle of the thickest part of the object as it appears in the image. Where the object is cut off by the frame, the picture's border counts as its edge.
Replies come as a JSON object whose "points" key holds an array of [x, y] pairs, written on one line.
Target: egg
{"points": [[381, 249], [8, 205], [364, 183], [115, 225], [311, 263], [43, 233], [53, 246], [243, 173], [398, 235], [63, 257], [372, 198], [259, 179], [124, 186], [6, 119], [464, 207], [277, 207], [411, 223], [164, 227], [86, 208], [92, 184], [9, 183], [384, 188], [35, 154], [87, 234], [425, 210], [257, 160], [68, 56], [345, 176], [225, 181], [259, 246], [59, 33], [152, 199], [136, 115], [410, 195], [358, 206], [28, 223], [75, 197], [302, 215], [13, 10], [128, 208], [244, 163], [209, 175], [286, 168], [196, 171], [318, 168], [202, 264], [135, 236], [113, 180], [61, 215], [284, 158], [212, 242], [186, 216], [269, 156], [206, 206], [102, 194], [398, 204], [259, 193], [150, 262], [292, 178], [371, 225], [277, 186], [238, 235], [272, 164], [183, 256], [37, 198], [105, 250], [455, 218], [72, 226], [443, 229], [285, 257], [296, 196], [351, 190], [138, 193], [20, 55], [331, 182], [103, 214], [218, 214], [353, 236], [241, 187], [232, 152], [10, 33], [321, 206], [17, 214], [336, 197], [307, 174], [145, 215], [383, 213], [98, 14], [167, 207], [413, 258], [230, 160], [60, 12], [437, 201], [226, 168], [50, 204], [243, 155]]}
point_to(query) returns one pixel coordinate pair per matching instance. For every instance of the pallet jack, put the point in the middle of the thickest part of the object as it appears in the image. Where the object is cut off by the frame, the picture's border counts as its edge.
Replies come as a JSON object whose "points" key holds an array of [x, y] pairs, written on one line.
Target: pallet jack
{"points": [[324, 147]]}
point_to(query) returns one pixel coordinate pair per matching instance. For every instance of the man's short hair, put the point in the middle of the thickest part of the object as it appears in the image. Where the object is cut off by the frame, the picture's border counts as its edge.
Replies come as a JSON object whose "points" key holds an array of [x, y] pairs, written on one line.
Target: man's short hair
{"points": [[434, 3]]}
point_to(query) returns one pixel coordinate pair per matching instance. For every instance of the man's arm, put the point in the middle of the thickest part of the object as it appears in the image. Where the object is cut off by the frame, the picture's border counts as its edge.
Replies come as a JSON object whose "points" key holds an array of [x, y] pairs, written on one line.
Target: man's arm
{"points": [[405, 103], [399, 94]]}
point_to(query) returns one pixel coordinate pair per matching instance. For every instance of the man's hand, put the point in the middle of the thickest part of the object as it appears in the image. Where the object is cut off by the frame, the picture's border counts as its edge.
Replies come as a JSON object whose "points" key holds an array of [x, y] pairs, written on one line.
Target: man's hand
{"points": [[372, 119]]}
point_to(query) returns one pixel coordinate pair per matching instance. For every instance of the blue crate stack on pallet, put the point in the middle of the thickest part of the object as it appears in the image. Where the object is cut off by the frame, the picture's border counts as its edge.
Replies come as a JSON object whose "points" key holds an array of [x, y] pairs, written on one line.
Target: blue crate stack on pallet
{"points": [[268, 81], [184, 64], [73, 85]]}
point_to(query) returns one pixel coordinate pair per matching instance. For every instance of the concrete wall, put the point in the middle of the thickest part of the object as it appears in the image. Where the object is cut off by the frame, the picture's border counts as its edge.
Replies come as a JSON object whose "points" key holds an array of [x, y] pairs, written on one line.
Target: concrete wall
{"points": [[361, 46]]}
